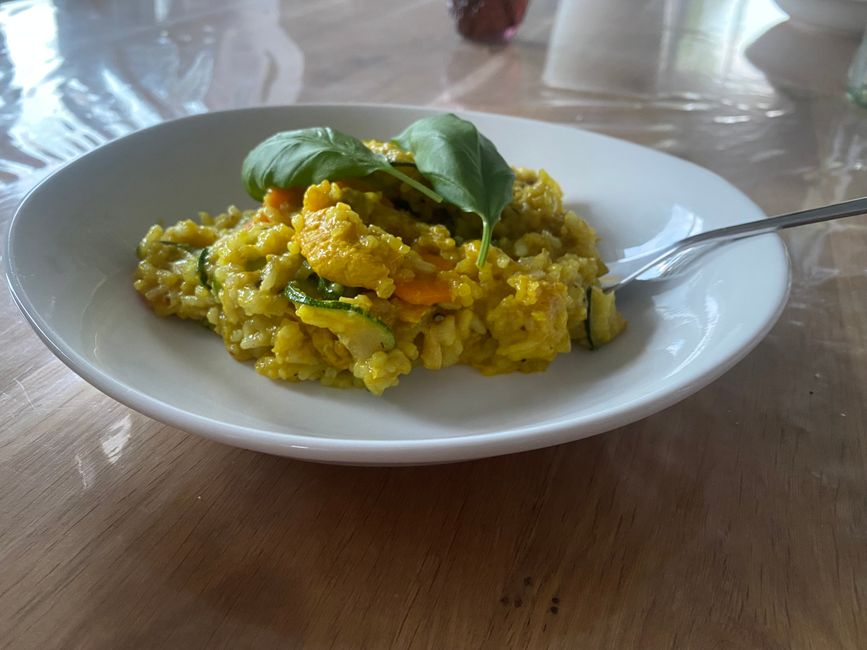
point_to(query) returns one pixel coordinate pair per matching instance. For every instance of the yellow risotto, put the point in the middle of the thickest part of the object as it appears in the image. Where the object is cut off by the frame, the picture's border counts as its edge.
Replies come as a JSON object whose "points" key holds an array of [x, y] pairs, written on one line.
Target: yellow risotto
{"points": [[355, 283]]}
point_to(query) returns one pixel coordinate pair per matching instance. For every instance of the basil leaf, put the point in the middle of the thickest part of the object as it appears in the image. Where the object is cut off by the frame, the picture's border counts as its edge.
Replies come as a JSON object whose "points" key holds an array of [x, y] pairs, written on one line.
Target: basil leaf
{"points": [[309, 156], [463, 166]]}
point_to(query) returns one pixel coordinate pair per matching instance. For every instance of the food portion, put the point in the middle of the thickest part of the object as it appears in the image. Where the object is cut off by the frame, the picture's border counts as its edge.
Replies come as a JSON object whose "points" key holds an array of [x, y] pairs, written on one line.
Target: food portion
{"points": [[365, 260]]}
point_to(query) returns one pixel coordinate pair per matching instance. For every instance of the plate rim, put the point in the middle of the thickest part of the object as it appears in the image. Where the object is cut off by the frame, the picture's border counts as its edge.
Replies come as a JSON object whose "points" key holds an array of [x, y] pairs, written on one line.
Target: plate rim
{"points": [[347, 450]]}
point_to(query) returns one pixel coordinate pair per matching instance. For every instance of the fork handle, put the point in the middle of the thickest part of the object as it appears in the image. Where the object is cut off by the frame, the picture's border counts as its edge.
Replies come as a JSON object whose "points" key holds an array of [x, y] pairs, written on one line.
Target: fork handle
{"points": [[750, 229], [772, 224]]}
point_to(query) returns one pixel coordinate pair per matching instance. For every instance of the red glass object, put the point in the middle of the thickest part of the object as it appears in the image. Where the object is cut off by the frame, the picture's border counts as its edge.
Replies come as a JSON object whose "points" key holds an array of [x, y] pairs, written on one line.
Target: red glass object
{"points": [[488, 21]]}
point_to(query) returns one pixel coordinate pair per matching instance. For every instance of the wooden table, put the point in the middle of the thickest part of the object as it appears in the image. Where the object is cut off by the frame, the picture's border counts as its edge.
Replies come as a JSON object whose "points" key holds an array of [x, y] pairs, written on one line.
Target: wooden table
{"points": [[736, 519]]}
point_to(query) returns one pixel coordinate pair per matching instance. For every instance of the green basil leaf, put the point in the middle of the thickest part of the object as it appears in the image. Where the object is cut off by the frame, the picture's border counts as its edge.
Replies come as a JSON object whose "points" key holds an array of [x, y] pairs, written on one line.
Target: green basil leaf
{"points": [[308, 156], [463, 166]]}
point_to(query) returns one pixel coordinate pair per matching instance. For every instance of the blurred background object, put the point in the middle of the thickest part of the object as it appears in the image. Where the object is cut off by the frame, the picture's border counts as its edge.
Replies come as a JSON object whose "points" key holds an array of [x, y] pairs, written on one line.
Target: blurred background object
{"points": [[488, 21], [844, 15], [804, 59]]}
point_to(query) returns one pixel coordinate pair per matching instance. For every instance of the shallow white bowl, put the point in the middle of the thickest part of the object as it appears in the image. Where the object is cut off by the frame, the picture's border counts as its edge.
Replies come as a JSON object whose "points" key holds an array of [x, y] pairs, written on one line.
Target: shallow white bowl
{"points": [[71, 257]]}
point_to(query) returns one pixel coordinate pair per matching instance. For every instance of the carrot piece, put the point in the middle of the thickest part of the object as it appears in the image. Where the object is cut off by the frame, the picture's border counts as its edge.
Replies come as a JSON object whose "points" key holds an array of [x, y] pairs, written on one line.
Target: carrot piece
{"points": [[256, 219], [276, 197], [423, 291], [432, 258]]}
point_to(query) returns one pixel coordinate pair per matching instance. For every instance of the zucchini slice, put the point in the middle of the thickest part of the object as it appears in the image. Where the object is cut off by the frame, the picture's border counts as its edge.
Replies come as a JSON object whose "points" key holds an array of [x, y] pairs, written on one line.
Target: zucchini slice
{"points": [[361, 333], [182, 246], [201, 255], [603, 322], [200, 265]]}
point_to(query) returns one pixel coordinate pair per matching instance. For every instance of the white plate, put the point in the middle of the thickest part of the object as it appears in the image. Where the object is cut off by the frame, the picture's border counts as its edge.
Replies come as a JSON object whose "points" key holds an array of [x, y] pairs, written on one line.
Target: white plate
{"points": [[71, 257]]}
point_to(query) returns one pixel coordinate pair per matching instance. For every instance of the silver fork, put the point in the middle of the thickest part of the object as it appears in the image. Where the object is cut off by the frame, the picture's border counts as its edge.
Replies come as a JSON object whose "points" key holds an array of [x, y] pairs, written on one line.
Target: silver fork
{"points": [[665, 262]]}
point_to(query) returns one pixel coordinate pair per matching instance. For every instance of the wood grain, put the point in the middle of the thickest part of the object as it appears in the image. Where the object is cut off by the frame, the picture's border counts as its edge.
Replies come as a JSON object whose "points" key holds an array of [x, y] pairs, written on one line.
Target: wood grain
{"points": [[735, 519]]}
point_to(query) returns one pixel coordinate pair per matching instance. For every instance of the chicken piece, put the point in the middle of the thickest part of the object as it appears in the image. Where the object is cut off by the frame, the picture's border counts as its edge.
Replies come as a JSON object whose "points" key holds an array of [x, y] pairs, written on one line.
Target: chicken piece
{"points": [[339, 247]]}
